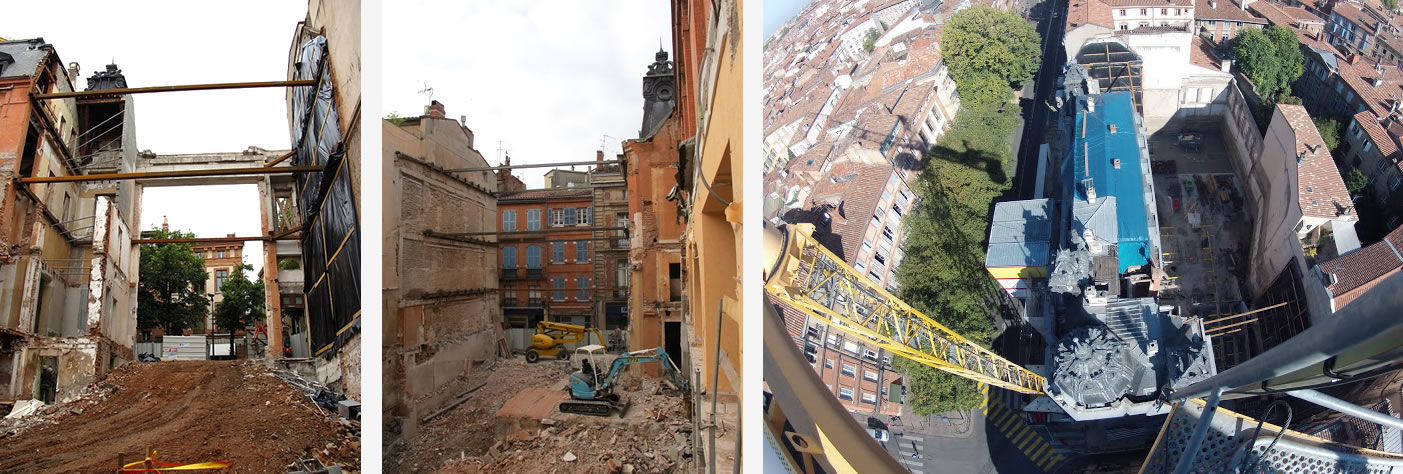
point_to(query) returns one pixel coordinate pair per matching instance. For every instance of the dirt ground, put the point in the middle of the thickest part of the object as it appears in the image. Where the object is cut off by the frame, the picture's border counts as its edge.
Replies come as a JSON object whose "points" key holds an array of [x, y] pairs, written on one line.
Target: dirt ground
{"points": [[187, 411], [652, 437]]}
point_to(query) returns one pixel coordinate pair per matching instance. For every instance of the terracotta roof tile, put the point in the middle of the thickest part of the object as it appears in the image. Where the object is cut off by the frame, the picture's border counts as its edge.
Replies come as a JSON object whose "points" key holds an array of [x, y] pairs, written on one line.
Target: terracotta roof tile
{"points": [[554, 193], [1361, 77], [1227, 10], [1148, 3], [1202, 54], [1088, 12], [854, 197], [1370, 123], [1321, 192], [1356, 15], [1359, 268]]}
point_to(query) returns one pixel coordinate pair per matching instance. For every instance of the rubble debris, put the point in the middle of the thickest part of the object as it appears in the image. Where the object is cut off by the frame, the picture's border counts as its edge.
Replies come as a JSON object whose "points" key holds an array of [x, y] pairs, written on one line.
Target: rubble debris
{"points": [[227, 410], [24, 408], [651, 437]]}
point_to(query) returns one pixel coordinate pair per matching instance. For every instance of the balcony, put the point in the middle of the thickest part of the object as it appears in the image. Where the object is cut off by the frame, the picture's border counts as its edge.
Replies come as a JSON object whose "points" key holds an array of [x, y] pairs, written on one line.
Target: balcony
{"points": [[510, 274], [535, 274]]}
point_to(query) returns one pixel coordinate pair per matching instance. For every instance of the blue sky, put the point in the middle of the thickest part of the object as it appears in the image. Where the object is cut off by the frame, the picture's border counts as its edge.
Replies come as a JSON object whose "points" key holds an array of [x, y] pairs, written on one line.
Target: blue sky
{"points": [[779, 11]]}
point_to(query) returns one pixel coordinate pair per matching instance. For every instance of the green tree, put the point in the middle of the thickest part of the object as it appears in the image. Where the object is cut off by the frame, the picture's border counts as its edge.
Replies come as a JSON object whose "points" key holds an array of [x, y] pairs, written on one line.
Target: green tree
{"points": [[394, 118], [983, 90], [170, 295], [244, 302], [869, 43], [1355, 180], [942, 274], [982, 39], [1271, 58], [1329, 132], [1391, 5]]}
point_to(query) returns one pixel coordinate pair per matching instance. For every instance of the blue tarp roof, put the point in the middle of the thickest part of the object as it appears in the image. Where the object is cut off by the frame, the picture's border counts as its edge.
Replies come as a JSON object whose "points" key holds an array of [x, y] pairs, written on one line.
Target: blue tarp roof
{"points": [[1094, 160]]}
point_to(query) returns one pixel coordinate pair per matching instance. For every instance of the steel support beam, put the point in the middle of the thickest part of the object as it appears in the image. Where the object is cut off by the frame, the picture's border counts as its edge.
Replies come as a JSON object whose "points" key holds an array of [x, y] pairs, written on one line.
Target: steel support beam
{"points": [[1364, 333], [1186, 460], [536, 165], [1346, 407], [189, 87], [170, 174], [530, 232], [215, 240], [280, 159]]}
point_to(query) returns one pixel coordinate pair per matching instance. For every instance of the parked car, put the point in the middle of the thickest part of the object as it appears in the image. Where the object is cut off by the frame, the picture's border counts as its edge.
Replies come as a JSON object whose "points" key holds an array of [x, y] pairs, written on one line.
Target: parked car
{"points": [[876, 424], [879, 435]]}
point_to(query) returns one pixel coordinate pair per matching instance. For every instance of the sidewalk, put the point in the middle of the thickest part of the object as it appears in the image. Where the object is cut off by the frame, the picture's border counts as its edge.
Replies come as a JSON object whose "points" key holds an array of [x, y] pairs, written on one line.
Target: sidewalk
{"points": [[955, 424]]}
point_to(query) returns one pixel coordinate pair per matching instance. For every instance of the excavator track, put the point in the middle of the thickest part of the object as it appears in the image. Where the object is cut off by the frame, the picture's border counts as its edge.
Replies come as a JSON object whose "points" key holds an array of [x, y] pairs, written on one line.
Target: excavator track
{"points": [[601, 407]]}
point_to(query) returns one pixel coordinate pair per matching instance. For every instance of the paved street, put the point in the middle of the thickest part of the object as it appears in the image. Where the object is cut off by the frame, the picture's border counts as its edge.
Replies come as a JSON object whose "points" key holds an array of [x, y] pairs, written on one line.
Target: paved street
{"points": [[998, 440], [1035, 115]]}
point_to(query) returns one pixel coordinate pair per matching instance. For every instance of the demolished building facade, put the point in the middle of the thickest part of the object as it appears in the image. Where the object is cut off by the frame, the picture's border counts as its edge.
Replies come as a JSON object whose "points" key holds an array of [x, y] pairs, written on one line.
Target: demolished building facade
{"points": [[68, 269], [439, 319]]}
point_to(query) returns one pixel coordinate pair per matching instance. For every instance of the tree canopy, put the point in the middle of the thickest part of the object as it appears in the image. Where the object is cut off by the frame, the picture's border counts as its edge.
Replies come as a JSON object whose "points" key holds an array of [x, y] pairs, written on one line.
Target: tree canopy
{"points": [[171, 293], [1271, 58], [1391, 4], [1329, 132], [942, 274], [869, 43], [1355, 180], [244, 301], [985, 40]]}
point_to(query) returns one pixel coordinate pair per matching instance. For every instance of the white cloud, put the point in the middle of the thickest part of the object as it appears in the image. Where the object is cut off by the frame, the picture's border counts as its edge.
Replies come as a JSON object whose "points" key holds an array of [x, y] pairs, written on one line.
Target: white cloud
{"points": [[547, 79]]}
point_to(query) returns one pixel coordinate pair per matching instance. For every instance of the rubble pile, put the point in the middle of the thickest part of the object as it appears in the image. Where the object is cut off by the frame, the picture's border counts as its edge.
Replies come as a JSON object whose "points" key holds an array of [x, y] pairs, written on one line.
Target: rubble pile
{"points": [[189, 411], [654, 436], [470, 426]]}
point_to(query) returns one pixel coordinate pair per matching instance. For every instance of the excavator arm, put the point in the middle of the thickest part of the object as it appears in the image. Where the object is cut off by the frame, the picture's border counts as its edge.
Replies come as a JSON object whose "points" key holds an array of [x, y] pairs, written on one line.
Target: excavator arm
{"points": [[567, 333], [646, 355]]}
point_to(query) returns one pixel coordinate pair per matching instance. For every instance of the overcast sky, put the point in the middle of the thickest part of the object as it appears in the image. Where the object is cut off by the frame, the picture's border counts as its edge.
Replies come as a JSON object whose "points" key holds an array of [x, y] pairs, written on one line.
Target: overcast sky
{"points": [[546, 79], [158, 43]]}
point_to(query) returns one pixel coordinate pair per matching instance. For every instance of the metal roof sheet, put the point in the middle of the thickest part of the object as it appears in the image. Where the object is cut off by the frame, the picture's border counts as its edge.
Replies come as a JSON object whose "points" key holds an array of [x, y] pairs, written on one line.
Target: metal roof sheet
{"points": [[1020, 235]]}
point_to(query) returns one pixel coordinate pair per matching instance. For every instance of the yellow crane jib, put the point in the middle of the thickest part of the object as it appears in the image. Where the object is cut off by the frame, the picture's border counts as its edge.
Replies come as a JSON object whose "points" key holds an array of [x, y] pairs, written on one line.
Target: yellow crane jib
{"points": [[811, 279]]}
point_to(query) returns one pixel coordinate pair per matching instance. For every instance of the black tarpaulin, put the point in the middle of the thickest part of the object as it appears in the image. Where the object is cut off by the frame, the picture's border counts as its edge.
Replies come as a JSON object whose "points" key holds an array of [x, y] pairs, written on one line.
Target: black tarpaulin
{"points": [[330, 232]]}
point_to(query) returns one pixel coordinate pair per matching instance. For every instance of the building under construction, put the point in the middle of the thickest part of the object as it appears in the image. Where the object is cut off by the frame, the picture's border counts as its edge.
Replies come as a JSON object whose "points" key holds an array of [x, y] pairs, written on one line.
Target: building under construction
{"points": [[69, 270]]}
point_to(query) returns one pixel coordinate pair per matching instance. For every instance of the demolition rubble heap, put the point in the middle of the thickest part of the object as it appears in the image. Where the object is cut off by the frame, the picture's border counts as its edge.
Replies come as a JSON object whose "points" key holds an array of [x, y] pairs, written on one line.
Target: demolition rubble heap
{"points": [[508, 421], [188, 411]]}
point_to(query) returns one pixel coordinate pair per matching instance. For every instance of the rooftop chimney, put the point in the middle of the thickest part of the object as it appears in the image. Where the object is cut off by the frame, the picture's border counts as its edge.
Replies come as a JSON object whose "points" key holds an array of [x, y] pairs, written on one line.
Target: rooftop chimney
{"points": [[435, 110], [599, 158], [1213, 4], [1226, 65], [73, 73], [1115, 162], [1113, 128]]}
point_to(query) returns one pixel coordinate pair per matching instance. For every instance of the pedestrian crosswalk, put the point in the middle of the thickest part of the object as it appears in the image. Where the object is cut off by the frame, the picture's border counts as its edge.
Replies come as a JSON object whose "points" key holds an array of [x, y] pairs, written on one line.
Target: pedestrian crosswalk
{"points": [[1004, 410]]}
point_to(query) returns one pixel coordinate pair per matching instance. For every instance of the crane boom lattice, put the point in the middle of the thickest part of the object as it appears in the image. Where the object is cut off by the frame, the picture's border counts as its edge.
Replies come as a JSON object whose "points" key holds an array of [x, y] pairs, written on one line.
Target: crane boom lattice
{"points": [[813, 280]]}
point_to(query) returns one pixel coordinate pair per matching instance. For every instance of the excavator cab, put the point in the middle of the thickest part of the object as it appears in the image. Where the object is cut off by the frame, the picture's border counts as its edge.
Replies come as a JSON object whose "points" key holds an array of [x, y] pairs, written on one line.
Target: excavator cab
{"points": [[591, 371]]}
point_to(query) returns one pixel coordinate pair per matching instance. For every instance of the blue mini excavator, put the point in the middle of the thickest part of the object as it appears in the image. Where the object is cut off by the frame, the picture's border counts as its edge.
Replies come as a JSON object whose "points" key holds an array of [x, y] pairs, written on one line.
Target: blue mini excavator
{"points": [[592, 384]]}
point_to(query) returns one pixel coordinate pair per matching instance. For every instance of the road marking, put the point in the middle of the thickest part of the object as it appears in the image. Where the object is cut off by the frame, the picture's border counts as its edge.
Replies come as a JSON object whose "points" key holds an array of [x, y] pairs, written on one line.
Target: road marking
{"points": [[916, 471], [1017, 436], [1037, 453], [1027, 442], [1047, 454], [917, 438], [912, 463], [1007, 422]]}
